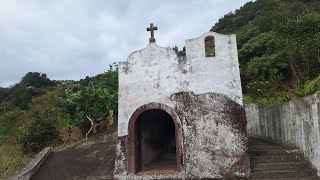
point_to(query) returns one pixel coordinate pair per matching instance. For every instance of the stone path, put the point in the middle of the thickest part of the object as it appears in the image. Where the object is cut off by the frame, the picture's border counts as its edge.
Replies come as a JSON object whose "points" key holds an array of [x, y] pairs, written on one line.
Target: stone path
{"points": [[90, 161]]}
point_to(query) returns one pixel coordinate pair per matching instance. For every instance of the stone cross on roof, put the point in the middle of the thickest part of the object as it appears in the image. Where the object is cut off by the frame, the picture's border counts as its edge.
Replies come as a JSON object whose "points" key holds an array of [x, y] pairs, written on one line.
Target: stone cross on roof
{"points": [[152, 29]]}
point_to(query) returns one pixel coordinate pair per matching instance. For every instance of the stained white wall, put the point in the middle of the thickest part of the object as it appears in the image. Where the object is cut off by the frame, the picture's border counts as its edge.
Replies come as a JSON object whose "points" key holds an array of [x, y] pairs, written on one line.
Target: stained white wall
{"points": [[149, 75], [219, 74], [154, 73]]}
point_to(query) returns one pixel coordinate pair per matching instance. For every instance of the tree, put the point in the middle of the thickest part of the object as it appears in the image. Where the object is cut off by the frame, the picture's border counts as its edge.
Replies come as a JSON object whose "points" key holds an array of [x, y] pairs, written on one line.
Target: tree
{"points": [[44, 120], [20, 95], [180, 53], [36, 79], [301, 37], [262, 59], [89, 107]]}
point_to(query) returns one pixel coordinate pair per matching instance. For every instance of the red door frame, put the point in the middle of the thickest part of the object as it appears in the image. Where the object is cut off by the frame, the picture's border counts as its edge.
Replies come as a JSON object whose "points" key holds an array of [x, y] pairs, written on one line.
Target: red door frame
{"points": [[134, 164]]}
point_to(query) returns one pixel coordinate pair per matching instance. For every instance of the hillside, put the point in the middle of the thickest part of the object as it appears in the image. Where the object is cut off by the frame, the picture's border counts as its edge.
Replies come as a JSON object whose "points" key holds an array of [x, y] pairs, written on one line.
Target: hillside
{"points": [[278, 43], [39, 112], [279, 53], [19, 95]]}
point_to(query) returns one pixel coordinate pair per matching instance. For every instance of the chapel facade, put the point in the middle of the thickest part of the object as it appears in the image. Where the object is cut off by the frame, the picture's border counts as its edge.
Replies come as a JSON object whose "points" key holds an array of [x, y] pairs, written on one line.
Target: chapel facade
{"points": [[182, 117]]}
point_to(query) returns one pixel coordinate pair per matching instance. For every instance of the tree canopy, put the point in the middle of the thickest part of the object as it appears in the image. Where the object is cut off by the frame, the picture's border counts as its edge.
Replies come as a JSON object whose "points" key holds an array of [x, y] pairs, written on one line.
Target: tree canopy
{"points": [[278, 44]]}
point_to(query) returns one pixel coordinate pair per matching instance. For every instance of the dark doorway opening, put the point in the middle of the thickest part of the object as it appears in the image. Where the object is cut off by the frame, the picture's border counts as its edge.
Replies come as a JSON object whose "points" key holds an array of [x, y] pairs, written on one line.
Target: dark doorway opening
{"points": [[156, 141]]}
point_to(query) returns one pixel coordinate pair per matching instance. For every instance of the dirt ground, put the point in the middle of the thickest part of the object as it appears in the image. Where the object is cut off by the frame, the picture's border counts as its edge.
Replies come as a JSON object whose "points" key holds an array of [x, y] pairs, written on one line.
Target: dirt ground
{"points": [[90, 161]]}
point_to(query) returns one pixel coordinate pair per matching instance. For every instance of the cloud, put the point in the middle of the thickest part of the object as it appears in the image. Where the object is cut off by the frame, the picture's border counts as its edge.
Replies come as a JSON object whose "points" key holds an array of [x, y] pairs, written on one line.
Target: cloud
{"points": [[72, 39]]}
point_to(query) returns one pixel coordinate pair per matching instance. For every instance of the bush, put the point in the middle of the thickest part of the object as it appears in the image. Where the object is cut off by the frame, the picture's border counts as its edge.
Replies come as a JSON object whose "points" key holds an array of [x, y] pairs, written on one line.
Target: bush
{"points": [[310, 87], [39, 135], [258, 89], [247, 99], [43, 124]]}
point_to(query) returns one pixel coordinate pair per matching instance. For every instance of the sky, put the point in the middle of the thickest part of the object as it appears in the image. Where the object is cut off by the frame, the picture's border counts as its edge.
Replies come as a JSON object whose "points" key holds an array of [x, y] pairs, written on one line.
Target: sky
{"points": [[72, 39]]}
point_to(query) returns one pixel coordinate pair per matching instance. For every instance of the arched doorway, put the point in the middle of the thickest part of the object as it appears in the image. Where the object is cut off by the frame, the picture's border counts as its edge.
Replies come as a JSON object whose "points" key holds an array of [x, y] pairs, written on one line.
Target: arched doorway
{"points": [[154, 139]]}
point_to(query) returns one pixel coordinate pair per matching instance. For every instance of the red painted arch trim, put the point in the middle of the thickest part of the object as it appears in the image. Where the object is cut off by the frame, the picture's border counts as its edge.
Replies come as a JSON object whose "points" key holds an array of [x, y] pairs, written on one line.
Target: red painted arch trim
{"points": [[132, 160]]}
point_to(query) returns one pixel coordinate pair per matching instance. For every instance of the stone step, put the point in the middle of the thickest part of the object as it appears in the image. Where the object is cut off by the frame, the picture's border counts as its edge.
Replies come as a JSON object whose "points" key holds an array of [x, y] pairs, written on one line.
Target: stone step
{"points": [[259, 141], [269, 159], [274, 149], [297, 166], [265, 147], [271, 152], [278, 174], [272, 161]]}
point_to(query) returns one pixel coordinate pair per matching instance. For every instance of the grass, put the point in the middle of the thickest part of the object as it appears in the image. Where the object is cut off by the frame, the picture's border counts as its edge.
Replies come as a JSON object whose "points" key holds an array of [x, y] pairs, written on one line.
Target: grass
{"points": [[12, 160]]}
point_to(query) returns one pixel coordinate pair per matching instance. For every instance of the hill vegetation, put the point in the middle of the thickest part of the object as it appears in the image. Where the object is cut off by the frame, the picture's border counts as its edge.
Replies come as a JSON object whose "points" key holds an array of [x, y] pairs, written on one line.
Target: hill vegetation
{"points": [[279, 48], [39, 112], [279, 54]]}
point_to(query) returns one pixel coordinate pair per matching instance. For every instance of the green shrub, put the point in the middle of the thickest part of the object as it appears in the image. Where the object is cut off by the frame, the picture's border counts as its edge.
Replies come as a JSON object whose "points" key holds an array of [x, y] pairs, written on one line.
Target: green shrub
{"points": [[286, 96], [247, 99], [11, 126], [310, 87], [39, 135], [260, 89]]}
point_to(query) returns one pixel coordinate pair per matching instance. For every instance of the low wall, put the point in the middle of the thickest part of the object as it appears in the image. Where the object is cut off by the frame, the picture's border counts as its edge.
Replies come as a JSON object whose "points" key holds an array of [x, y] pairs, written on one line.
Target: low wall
{"points": [[294, 123], [33, 165]]}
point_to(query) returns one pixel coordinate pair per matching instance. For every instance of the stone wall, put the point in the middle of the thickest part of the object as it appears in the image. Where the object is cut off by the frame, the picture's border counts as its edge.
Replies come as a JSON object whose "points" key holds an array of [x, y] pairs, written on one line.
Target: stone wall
{"points": [[295, 124]]}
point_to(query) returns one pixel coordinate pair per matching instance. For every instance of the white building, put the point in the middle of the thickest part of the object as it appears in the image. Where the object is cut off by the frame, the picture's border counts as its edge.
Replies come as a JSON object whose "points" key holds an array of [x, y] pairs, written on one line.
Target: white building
{"points": [[182, 117]]}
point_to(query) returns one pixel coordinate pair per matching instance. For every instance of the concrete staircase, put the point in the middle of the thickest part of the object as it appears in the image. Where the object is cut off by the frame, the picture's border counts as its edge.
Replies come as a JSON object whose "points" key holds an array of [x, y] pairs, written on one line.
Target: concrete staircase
{"points": [[272, 161]]}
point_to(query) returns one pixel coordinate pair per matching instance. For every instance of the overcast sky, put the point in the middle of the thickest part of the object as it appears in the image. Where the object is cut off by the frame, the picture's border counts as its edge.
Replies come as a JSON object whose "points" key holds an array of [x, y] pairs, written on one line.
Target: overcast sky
{"points": [[70, 39]]}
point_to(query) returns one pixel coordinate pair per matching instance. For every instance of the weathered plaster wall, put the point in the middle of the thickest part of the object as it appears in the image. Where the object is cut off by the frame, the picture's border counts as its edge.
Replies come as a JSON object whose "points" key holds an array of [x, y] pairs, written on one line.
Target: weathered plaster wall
{"points": [[295, 123], [149, 75], [219, 74], [214, 134], [214, 139], [154, 73]]}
